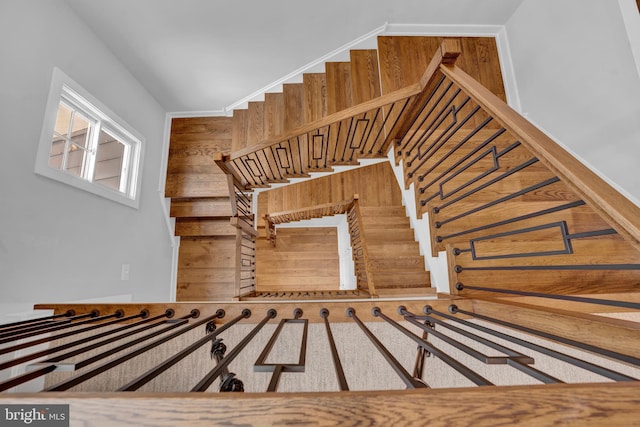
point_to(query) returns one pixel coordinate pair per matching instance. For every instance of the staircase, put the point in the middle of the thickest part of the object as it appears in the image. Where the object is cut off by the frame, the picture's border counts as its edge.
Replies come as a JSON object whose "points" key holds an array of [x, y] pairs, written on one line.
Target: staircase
{"points": [[199, 191], [201, 206], [396, 265], [500, 197]]}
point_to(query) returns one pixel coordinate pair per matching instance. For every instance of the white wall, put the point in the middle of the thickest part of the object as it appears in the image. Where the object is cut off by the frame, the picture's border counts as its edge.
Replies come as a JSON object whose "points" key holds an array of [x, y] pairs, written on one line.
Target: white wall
{"points": [[58, 243], [578, 81]]}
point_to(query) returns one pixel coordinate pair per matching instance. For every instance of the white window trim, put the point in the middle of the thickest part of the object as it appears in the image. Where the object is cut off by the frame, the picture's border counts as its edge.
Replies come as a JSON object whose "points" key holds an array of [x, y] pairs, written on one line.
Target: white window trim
{"points": [[115, 125]]}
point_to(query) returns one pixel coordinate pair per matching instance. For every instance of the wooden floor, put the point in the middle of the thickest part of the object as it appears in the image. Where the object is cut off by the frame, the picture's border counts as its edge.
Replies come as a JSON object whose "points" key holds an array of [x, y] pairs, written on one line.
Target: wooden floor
{"points": [[206, 269], [304, 259]]}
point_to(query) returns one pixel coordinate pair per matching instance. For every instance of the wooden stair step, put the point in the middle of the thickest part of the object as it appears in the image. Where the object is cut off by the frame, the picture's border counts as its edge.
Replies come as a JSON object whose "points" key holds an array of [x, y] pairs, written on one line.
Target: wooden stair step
{"points": [[239, 129], [376, 235], [207, 291], [201, 207], [403, 59], [255, 123], [396, 263], [384, 222], [420, 291], [394, 249], [197, 184], [397, 279], [315, 96], [339, 92], [378, 211], [273, 114], [293, 106], [365, 75], [204, 227]]}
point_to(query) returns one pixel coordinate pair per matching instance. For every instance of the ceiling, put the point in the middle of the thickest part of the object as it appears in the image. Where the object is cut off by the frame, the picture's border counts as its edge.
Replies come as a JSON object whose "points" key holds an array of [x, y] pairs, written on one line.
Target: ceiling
{"points": [[204, 55]]}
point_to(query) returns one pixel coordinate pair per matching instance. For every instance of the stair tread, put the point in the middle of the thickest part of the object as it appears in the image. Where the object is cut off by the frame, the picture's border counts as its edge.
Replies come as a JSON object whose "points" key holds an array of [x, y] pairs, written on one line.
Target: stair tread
{"points": [[204, 227], [201, 207], [338, 80], [365, 75], [314, 96]]}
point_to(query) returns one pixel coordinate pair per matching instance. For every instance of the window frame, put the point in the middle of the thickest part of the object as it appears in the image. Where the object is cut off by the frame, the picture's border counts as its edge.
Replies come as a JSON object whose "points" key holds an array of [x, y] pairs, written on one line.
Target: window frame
{"points": [[64, 89]]}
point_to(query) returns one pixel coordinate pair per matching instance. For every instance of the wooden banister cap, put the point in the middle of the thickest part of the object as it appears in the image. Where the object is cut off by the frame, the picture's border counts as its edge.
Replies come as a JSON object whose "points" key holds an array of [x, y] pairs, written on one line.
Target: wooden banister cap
{"points": [[450, 49]]}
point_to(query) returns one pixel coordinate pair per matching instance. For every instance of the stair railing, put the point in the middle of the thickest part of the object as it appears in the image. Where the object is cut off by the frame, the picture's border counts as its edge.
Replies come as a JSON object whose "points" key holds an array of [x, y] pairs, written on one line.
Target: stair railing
{"points": [[243, 220], [360, 253], [301, 214], [515, 343], [366, 130], [505, 201], [620, 212]]}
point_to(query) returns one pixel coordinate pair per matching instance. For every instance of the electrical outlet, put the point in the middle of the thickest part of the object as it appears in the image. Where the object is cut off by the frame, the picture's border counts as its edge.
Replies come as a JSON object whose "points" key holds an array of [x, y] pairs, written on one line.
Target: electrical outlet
{"points": [[124, 273]]}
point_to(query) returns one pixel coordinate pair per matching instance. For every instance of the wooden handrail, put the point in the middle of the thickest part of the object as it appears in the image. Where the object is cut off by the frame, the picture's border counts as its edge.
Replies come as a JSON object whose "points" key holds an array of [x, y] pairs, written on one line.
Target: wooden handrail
{"points": [[243, 225], [362, 108], [355, 207], [622, 214], [336, 207]]}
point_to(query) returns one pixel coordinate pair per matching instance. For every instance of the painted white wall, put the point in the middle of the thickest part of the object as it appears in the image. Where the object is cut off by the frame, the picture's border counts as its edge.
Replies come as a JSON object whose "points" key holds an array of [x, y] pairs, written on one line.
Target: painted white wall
{"points": [[58, 243], [436, 266], [577, 80]]}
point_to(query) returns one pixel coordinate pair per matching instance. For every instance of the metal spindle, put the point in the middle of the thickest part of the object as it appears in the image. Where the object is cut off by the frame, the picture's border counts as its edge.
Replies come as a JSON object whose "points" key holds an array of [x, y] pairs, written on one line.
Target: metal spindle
{"points": [[616, 376], [7, 327], [608, 302], [143, 314], [342, 381], [65, 385], [514, 358], [204, 384], [52, 327], [118, 314], [405, 376], [154, 372], [468, 373]]}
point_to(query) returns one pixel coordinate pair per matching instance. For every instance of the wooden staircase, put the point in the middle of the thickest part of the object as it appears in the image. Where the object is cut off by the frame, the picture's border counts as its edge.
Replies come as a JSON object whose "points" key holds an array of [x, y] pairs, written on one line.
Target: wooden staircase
{"points": [[395, 261], [484, 176], [201, 206], [353, 111], [308, 127]]}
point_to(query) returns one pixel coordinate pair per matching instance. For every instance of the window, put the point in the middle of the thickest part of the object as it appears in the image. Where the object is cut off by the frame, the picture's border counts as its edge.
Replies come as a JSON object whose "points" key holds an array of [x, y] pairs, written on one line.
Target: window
{"points": [[85, 145]]}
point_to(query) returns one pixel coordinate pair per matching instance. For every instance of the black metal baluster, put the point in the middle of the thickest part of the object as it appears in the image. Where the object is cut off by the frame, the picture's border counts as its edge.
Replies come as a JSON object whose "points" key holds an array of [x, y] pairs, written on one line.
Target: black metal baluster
{"points": [[9, 327], [55, 326], [342, 381], [514, 358], [143, 314], [468, 373], [406, 377], [65, 385], [154, 372], [50, 365], [37, 341], [616, 376], [278, 368], [204, 384], [608, 302]]}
